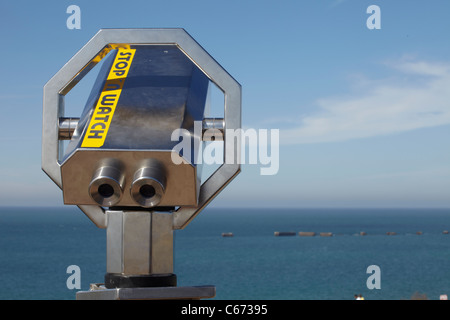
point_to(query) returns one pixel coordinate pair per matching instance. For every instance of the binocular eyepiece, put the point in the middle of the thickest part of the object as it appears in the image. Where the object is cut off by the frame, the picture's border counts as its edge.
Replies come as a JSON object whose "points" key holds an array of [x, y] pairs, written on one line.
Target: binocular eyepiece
{"points": [[106, 187], [147, 187]]}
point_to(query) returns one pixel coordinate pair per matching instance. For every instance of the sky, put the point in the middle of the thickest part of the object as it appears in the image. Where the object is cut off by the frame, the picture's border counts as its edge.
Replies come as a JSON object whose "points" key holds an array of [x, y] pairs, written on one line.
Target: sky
{"points": [[363, 114]]}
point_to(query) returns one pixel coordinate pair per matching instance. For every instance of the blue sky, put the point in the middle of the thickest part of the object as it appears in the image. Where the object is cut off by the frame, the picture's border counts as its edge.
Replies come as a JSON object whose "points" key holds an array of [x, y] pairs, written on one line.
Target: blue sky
{"points": [[364, 115]]}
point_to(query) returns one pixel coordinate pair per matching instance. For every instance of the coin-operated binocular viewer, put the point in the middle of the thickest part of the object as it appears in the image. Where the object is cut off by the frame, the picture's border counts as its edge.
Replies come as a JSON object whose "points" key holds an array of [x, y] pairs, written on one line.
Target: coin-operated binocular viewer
{"points": [[121, 167]]}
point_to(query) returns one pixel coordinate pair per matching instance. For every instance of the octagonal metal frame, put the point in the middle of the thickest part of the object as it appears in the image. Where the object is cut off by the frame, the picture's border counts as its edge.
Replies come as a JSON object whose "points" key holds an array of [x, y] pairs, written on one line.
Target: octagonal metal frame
{"points": [[89, 55]]}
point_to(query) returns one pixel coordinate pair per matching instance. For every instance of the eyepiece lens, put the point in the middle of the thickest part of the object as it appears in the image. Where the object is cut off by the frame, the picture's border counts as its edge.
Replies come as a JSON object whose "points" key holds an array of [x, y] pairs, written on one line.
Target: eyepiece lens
{"points": [[105, 190], [147, 191]]}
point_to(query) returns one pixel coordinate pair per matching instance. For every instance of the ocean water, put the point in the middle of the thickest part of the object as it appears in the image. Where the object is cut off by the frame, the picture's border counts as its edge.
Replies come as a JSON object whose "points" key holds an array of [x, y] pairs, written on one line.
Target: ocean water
{"points": [[37, 245]]}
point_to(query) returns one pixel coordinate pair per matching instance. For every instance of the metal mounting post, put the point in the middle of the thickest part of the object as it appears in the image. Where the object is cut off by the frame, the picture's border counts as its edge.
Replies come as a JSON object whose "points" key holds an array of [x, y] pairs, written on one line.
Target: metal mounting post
{"points": [[139, 250], [139, 260]]}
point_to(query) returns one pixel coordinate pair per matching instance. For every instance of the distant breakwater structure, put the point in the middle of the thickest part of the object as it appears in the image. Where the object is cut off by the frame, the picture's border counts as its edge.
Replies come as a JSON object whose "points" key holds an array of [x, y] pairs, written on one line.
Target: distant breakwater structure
{"points": [[331, 234]]}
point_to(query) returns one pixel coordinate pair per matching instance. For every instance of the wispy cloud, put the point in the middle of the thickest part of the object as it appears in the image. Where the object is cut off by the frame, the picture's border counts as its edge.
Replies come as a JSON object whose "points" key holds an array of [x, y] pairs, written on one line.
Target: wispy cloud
{"points": [[419, 98]]}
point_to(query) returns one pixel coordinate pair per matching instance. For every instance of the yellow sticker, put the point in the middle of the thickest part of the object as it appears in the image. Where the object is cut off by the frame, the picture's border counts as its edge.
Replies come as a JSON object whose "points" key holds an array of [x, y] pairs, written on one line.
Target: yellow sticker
{"points": [[106, 105]]}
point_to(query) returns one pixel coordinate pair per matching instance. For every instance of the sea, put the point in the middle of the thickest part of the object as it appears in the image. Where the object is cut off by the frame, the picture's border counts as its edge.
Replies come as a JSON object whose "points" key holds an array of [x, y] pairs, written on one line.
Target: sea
{"points": [[409, 248]]}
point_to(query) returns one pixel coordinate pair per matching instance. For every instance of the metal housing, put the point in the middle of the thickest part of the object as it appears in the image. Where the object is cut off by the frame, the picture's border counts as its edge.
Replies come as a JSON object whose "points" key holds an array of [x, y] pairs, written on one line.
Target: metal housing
{"points": [[119, 161]]}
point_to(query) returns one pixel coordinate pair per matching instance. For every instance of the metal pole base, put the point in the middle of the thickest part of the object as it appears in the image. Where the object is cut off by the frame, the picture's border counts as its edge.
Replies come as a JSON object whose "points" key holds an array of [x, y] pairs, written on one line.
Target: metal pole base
{"points": [[99, 292], [137, 281]]}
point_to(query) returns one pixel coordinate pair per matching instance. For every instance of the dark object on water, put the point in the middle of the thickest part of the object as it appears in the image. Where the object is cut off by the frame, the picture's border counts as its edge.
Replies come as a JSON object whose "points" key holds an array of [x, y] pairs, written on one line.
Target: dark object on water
{"points": [[326, 234], [306, 234], [279, 234], [227, 234]]}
